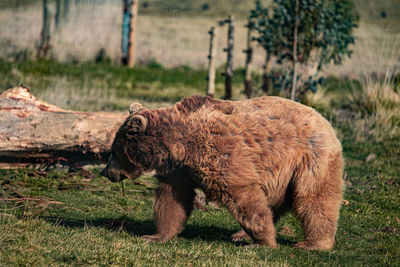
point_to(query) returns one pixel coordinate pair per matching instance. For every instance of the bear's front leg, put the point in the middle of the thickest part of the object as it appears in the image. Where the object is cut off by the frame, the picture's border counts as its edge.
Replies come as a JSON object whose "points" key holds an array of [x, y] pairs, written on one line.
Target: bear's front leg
{"points": [[172, 207], [278, 212], [250, 209]]}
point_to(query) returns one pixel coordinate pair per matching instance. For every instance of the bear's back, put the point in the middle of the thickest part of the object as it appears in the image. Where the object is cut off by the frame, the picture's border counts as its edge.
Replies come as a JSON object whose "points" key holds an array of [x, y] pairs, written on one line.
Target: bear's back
{"points": [[280, 119], [288, 123]]}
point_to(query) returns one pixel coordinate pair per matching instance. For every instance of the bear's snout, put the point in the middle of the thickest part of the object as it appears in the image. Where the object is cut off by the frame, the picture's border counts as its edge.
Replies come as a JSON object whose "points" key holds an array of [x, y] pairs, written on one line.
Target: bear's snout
{"points": [[112, 174]]}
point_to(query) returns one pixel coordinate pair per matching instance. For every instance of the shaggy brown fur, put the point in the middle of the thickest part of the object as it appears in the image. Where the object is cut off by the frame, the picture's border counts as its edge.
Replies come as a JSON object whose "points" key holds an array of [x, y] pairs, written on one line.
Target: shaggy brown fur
{"points": [[259, 158]]}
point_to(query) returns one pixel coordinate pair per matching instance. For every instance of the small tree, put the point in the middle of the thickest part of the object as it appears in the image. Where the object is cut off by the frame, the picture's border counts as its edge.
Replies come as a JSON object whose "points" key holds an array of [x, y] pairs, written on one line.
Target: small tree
{"points": [[302, 36], [44, 45]]}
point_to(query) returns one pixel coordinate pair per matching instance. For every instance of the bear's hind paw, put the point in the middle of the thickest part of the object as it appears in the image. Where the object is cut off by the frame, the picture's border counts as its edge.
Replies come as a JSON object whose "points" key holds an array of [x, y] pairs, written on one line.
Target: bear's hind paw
{"points": [[308, 245], [152, 238]]}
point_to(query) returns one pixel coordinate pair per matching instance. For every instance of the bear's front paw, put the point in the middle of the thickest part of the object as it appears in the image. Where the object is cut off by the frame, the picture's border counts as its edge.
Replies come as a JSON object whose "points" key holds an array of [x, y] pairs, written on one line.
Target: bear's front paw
{"points": [[240, 236]]}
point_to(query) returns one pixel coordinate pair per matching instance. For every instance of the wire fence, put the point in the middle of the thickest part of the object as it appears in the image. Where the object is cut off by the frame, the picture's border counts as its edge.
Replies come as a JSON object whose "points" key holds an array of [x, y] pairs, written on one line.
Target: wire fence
{"points": [[91, 30]]}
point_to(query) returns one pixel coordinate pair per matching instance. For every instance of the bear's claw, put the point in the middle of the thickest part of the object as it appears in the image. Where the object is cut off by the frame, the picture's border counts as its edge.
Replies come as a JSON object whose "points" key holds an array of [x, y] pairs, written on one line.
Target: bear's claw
{"points": [[240, 236]]}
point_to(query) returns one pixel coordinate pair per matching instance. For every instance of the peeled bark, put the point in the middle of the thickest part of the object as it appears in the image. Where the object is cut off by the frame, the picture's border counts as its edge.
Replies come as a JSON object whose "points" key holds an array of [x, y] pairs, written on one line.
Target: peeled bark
{"points": [[33, 131]]}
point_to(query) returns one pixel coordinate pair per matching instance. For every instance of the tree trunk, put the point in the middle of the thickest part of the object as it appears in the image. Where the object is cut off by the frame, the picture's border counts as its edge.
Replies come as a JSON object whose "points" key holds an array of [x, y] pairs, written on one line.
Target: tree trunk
{"points": [[296, 25], [33, 131], [44, 45], [247, 69], [265, 79]]}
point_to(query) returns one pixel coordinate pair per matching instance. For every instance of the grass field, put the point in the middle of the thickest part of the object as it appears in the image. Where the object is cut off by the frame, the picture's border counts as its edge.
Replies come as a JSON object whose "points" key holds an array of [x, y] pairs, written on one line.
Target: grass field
{"points": [[60, 217], [94, 87]]}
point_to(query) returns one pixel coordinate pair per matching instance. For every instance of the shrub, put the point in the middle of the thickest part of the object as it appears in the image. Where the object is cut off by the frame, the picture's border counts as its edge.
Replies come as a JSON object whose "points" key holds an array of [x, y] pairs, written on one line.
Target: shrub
{"points": [[302, 36]]}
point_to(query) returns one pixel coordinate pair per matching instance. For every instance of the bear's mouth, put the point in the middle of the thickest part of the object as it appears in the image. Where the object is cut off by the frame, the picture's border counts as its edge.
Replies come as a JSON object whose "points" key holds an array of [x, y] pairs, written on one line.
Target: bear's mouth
{"points": [[113, 176], [122, 177], [117, 178]]}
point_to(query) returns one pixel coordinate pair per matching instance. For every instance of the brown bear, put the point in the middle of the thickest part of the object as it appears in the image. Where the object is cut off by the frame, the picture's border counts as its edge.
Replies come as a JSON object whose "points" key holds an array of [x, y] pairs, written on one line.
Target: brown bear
{"points": [[259, 158]]}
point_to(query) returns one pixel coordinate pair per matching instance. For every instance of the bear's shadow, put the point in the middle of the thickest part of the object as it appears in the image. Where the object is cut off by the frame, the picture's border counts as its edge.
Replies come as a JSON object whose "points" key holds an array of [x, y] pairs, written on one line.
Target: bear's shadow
{"points": [[144, 227]]}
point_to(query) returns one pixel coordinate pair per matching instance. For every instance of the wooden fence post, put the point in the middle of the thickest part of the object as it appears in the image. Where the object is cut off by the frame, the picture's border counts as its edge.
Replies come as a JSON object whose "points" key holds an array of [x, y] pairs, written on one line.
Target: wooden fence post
{"points": [[212, 55], [129, 32], [44, 44], [247, 69], [229, 62]]}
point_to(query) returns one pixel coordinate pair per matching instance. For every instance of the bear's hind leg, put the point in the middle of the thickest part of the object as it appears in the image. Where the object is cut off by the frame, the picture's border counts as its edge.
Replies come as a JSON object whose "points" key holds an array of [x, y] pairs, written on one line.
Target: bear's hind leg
{"points": [[318, 217], [318, 209], [172, 207], [250, 209]]}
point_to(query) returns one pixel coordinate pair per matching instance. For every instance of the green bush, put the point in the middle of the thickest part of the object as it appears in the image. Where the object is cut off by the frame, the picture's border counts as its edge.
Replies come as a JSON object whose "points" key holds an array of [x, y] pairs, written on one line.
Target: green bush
{"points": [[302, 34]]}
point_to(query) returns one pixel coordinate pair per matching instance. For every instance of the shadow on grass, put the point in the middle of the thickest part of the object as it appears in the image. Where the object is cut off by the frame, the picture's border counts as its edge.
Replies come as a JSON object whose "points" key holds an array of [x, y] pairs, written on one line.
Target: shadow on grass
{"points": [[134, 227], [145, 227]]}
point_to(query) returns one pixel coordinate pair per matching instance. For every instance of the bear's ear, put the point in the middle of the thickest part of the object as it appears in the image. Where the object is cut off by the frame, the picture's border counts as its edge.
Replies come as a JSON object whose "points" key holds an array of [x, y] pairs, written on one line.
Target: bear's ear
{"points": [[135, 124], [135, 107]]}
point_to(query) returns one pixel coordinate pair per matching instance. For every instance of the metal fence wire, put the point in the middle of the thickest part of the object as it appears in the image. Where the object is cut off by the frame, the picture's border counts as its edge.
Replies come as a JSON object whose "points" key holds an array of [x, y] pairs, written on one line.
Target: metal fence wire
{"points": [[91, 30]]}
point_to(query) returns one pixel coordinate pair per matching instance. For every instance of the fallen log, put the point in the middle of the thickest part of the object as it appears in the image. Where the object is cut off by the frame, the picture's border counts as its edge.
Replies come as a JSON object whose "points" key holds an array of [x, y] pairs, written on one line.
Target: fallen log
{"points": [[33, 131]]}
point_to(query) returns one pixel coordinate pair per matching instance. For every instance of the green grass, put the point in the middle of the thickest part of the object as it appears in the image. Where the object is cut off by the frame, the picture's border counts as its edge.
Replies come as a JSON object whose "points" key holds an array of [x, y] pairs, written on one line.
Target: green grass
{"points": [[94, 87], [106, 87], [95, 224]]}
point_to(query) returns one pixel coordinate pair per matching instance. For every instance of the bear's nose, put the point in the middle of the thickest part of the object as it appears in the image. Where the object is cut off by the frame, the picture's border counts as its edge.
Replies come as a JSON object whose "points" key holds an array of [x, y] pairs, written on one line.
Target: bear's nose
{"points": [[104, 173]]}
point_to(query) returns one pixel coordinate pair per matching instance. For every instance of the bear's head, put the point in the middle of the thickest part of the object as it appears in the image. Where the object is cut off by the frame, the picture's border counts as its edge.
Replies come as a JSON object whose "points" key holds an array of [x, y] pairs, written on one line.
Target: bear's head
{"points": [[125, 159]]}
